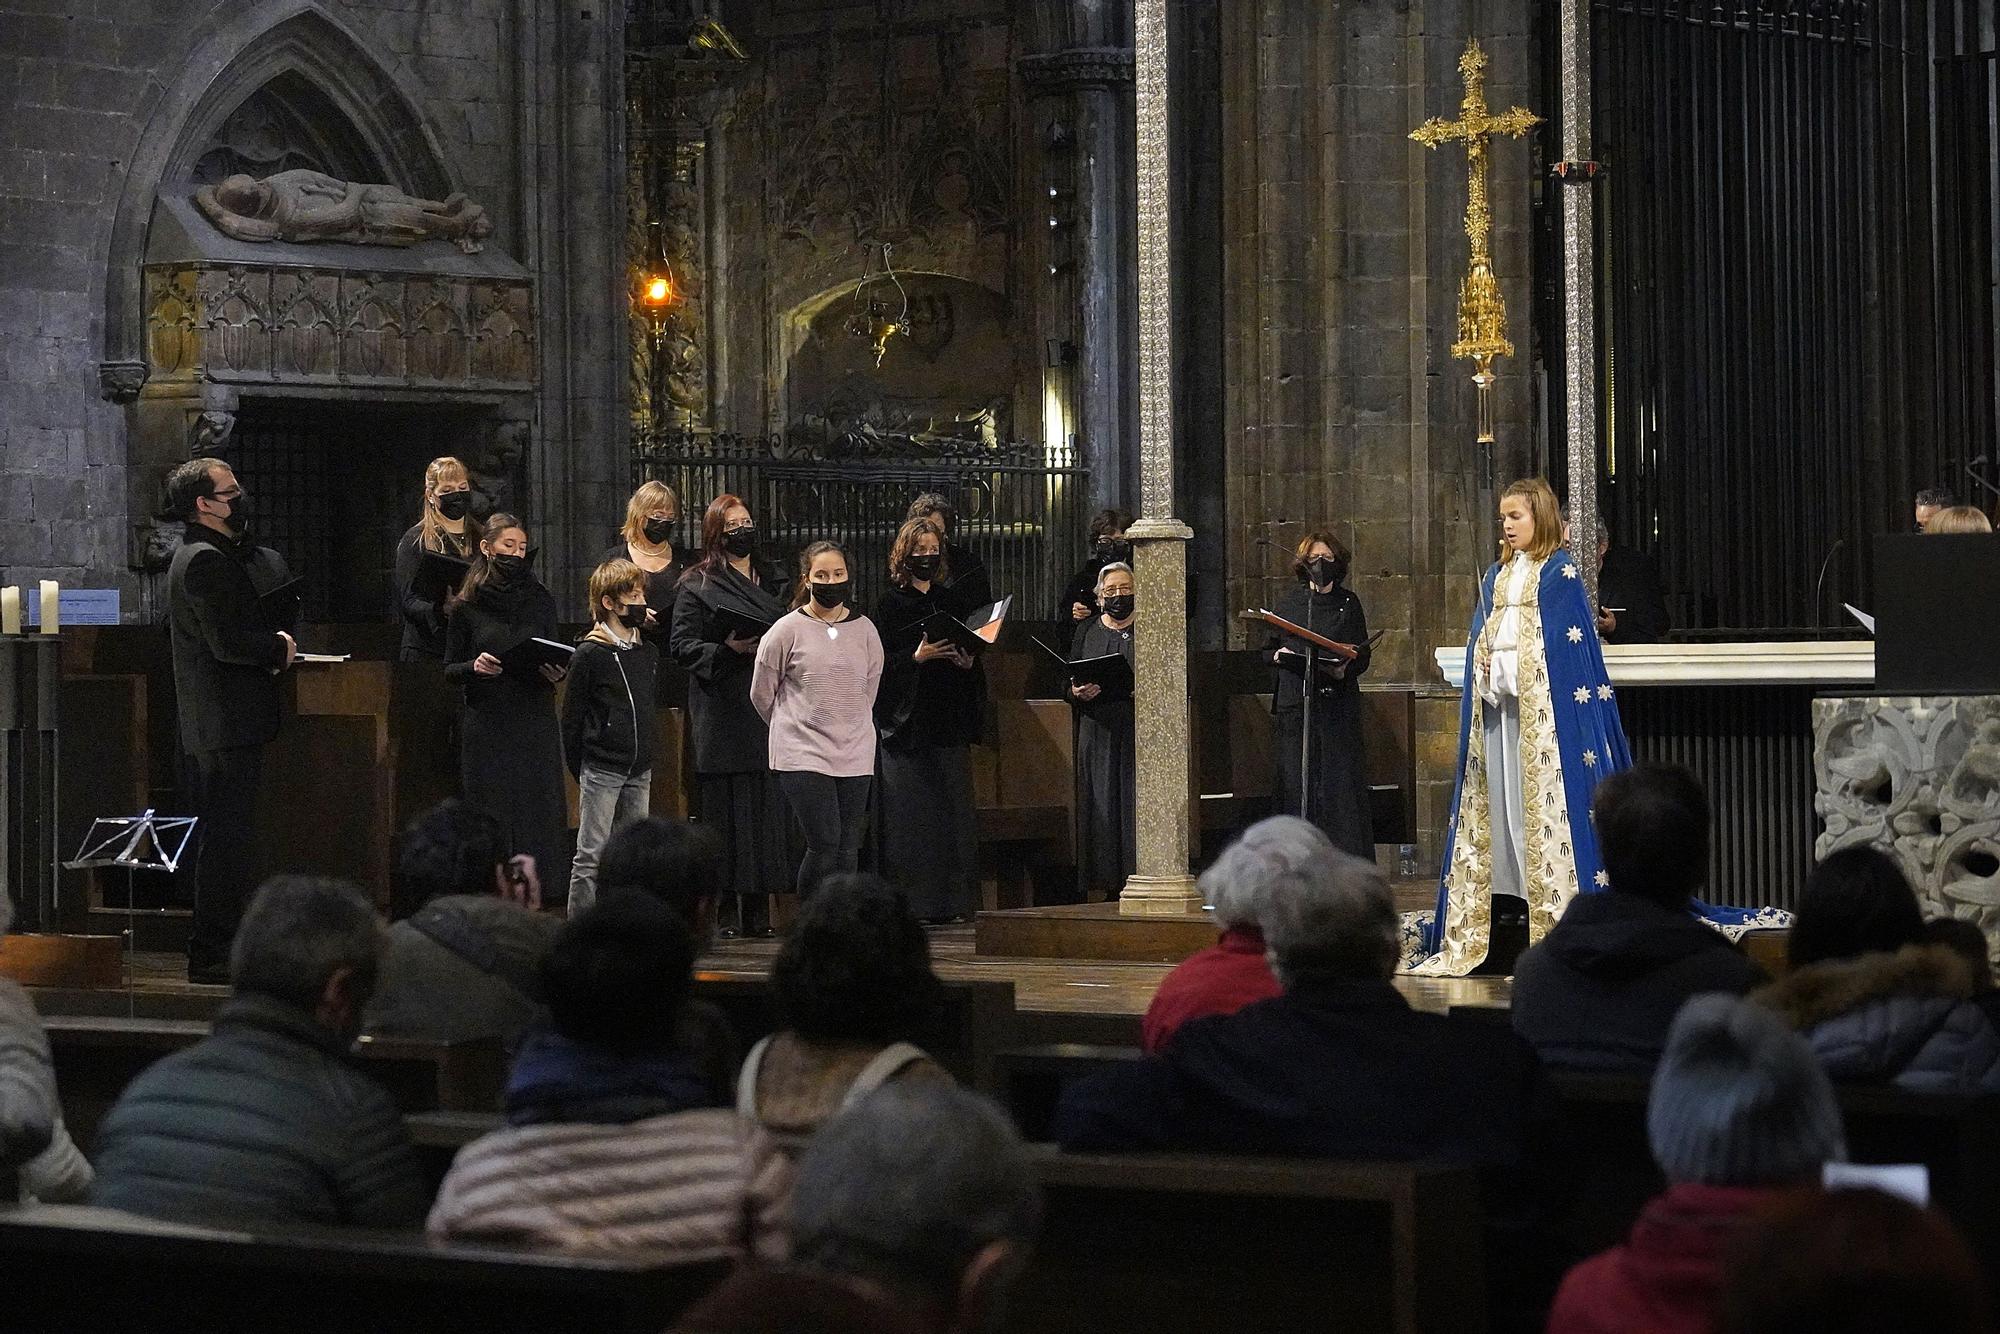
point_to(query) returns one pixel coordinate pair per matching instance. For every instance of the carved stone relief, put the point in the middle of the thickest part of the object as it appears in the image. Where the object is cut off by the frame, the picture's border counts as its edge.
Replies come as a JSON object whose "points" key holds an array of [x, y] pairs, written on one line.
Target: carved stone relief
{"points": [[1920, 779], [887, 154], [245, 323]]}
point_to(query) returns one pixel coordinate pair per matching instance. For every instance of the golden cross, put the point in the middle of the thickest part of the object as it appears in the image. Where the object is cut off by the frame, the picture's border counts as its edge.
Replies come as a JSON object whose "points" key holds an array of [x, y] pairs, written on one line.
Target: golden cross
{"points": [[1482, 314]]}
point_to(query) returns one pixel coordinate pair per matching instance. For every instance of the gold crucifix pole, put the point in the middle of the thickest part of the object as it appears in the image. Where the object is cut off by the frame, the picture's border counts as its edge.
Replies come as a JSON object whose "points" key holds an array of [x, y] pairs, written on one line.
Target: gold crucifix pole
{"points": [[1482, 311]]}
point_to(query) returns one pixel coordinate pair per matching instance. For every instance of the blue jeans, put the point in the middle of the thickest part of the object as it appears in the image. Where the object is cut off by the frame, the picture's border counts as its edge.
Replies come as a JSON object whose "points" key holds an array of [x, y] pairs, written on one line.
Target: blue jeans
{"points": [[606, 802]]}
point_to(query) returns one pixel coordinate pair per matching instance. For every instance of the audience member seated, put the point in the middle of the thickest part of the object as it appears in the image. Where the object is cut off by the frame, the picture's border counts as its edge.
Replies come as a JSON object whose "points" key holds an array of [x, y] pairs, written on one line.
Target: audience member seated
{"points": [[463, 962], [912, 1213], [681, 864], [609, 1145], [1854, 1262], [855, 993], [1337, 1066], [1233, 972], [1740, 1112], [1969, 941], [38, 1159], [1601, 988], [265, 1120], [676, 862], [1879, 1005]]}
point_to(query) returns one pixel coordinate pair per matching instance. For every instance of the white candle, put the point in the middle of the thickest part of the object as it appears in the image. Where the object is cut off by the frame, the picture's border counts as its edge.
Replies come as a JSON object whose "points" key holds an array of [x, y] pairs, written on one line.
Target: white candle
{"points": [[51, 607], [10, 611]]}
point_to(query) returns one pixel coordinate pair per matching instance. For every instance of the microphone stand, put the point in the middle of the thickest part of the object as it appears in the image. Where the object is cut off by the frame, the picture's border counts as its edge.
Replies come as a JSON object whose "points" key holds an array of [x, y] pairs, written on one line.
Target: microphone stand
{"points": [[1819, 588], [1980, 477]]}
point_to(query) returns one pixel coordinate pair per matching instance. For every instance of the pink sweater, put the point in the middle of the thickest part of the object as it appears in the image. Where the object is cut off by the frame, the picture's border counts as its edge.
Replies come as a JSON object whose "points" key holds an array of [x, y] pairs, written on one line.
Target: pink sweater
{"points": [[815, 685]]}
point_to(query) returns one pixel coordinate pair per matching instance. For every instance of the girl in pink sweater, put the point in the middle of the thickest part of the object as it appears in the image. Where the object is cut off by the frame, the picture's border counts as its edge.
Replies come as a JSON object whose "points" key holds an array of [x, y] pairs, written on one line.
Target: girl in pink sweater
{"points": [[814, 684]]}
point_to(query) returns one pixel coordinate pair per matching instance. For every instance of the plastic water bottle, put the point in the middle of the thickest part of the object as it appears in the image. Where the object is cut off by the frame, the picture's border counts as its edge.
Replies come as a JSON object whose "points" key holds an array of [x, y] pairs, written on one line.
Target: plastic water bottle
{"points": [[1406, 861]]}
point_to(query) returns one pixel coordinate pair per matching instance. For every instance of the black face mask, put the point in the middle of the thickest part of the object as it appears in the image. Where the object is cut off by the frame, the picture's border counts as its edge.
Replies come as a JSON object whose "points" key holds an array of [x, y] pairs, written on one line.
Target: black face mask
{"points": [[740, 541], [830, 595], [632, 615], [239, 513], [1322, 570], [925, 567], [510, 568], [659, 530], [1115, 550], [1119, 607], [455, 505]]}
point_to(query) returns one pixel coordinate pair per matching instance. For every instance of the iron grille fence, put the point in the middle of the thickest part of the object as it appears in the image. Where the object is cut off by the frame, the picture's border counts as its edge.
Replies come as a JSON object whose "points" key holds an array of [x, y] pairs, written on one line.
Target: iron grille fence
{"points": [[1022, 507]]}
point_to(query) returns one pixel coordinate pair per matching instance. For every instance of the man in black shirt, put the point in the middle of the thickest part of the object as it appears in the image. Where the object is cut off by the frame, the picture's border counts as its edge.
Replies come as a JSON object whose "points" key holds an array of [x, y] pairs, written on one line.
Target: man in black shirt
{"points": [[228, 651], [1631, 607]]}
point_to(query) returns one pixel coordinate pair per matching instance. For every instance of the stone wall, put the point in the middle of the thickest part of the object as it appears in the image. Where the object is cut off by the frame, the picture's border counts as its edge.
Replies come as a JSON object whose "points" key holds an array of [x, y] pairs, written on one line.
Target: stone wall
{"points": [[1343, 245], [510, 100]]}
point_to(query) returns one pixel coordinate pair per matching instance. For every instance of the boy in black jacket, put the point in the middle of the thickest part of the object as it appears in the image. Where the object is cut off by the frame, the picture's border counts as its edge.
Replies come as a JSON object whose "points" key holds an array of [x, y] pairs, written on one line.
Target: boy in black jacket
{"points": [[608, 720]]}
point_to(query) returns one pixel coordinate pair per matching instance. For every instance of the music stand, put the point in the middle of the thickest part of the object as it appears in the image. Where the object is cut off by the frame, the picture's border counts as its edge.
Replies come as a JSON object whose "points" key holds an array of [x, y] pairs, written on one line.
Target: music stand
{"points": [[143, 842], [1308, 688]]}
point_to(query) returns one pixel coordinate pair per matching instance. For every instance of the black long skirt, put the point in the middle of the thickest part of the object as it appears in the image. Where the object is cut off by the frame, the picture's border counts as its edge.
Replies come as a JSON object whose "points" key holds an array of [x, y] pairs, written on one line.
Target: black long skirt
{"points": [[1338, 802], [930, 834], [748, 812], [511, 767], [1107, 830]]}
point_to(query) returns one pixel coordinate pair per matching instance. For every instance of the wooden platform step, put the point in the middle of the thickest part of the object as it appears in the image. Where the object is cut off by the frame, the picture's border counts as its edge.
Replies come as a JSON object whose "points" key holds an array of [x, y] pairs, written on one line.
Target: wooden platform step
{"points": [[86, 962]]}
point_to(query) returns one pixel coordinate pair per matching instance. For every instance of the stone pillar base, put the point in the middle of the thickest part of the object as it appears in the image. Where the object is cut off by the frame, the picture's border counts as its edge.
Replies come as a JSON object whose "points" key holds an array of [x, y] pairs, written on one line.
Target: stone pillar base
{"points": [[1159, 896]]}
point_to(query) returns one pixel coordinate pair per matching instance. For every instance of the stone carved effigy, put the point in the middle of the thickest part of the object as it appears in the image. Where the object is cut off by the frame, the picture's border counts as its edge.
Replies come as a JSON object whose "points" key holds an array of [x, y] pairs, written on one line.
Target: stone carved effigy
{"points": [[305, 206], [1920, 779]]}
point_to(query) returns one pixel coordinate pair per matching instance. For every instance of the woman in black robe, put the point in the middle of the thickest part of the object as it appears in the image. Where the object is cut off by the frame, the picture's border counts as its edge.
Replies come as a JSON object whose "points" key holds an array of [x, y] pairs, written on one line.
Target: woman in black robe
{"points": [[510, 746], [1338, 799], [736, 794], [1107, 834], [647, 540], [928, 713]]}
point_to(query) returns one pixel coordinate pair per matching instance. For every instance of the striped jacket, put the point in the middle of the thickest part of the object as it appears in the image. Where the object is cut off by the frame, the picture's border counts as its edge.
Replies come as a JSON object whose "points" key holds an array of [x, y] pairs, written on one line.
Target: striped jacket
{"points": [[684, 1188]]}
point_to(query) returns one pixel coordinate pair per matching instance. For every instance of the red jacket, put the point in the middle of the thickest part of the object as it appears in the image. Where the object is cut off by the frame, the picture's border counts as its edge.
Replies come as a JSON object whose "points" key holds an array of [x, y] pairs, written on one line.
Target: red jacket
{"points": [[1221, 979], [1666, 1276]]}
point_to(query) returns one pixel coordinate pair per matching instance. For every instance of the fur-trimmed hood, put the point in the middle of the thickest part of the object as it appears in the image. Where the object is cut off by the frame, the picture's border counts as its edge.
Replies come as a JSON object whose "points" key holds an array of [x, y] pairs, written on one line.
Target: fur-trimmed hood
{"points": [[1821, 991], [1914, 1018]]}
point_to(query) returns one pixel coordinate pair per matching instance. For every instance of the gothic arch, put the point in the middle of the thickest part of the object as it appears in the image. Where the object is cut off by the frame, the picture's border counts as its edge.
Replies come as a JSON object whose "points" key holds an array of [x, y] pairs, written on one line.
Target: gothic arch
{"points": [[245, 47]]}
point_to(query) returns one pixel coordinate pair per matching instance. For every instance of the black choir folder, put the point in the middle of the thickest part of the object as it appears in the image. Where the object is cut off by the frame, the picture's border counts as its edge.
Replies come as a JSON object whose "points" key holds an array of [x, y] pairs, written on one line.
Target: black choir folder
{"points": [[1112, 673], [533, 653], [975, 632], [734, 622], [438, 575]]}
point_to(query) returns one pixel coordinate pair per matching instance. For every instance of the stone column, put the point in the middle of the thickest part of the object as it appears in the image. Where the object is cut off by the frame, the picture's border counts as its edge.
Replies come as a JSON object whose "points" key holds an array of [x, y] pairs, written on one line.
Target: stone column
{"points": [[1580, 288], [1083, 78], [1161, 884]]}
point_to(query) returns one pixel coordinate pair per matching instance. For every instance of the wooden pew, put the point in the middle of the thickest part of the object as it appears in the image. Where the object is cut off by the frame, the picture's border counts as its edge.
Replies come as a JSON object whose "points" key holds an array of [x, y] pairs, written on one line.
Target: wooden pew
{"points": [[1145, 1241], [1031, 1079], [77, 1270], [97, 1056], [1187, 1241], [975, 1026]]}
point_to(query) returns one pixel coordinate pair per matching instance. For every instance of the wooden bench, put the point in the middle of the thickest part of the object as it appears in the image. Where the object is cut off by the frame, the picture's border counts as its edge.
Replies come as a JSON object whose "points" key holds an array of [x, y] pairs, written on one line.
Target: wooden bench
{"points": [[96, 1056], [975, 1025], [1031, 1079], [73, 1270], [1188, 1241]]}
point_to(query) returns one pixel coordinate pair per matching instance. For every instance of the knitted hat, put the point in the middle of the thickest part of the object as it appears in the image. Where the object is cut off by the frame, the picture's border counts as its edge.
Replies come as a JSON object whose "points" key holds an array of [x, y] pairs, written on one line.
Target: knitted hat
{"points": [[1740, 1100]]}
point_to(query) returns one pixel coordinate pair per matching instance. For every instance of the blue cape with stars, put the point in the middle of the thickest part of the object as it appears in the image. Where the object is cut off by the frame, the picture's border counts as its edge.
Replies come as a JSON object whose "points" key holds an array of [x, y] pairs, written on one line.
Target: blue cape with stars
{"points": [[1590, 738]]}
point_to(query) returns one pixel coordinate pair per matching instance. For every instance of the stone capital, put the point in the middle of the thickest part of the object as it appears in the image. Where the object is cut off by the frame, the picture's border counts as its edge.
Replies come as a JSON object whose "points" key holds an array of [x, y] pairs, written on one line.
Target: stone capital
{"points": [[120, 381], [1078, 67]]}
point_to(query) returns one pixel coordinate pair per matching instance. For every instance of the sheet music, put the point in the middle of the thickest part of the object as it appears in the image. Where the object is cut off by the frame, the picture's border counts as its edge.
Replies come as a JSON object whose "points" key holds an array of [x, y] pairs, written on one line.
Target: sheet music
{"points": [[1867, 621]]}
